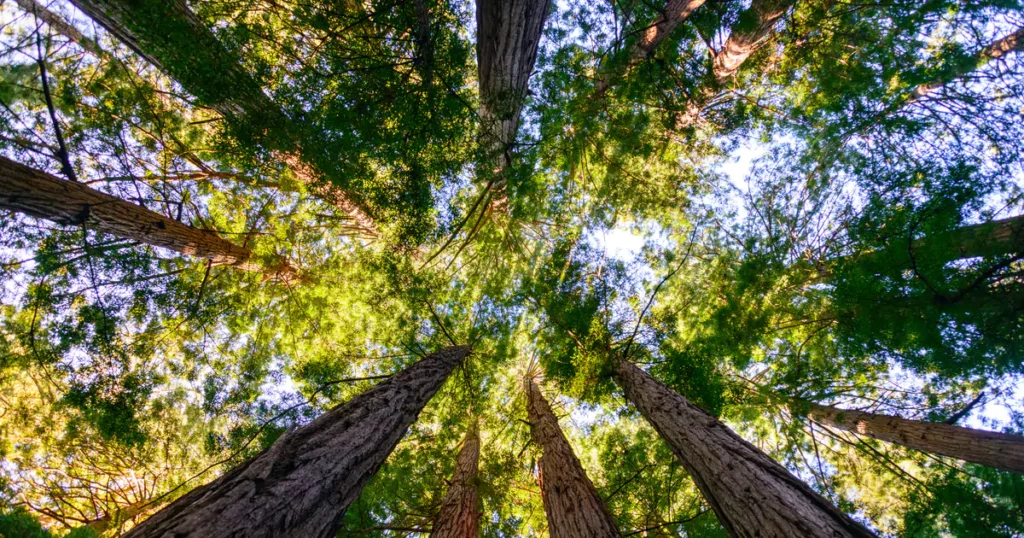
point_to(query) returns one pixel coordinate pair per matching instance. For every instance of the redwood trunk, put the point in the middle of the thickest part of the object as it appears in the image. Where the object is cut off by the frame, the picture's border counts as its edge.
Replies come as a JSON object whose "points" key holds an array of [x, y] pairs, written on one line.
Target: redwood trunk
{"points": [[999, 450], [571, 502], [675, 12], [995, 50], [35, 193], [460, 511], [301, 485], [507, 35], [752, 495], [170, 36], [996, 238], [755, 24]]}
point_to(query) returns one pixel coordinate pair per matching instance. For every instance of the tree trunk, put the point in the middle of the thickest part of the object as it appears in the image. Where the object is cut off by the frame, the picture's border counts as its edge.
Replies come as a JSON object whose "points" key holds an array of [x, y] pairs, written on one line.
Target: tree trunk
{"points": [[995, 238], [301, 485], [460, 511], [675, 12], [59, 25], [170, 36], [507, 35], [748, 34], [751, 493], [995, 50], [571, 502], [35, 193], [999, 450]]}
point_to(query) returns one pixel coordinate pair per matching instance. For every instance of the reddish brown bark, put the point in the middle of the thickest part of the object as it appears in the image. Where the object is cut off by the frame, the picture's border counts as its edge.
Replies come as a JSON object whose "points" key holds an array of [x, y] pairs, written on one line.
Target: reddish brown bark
{"points": [[35, 193], [675, 12], [301, 486], [571, 502], [460, 511], [994, 449], [752, 494], [754, 26]]}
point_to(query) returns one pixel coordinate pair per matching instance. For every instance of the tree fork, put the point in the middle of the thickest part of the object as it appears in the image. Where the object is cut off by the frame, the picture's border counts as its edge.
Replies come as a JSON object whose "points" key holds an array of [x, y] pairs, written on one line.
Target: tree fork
{"points": [[460, 510], [751, 493], [301, 486], [571, 502], [38, 194], [994, 449]]}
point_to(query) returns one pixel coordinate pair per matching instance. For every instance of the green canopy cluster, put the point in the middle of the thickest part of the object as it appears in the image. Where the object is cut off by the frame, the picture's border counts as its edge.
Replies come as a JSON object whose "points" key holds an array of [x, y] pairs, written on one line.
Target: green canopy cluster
{"points": [[839, 220]]}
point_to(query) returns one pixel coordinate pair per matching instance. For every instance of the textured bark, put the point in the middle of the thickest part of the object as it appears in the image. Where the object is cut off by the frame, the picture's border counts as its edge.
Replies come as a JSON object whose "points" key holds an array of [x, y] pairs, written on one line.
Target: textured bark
{"points": [[301, 485], [999, 450], [571, 502], [35, 193], [748, 34], [675, 12], [460, 511], [170, 36], [751, 494], [507, 35], [997, 49]]}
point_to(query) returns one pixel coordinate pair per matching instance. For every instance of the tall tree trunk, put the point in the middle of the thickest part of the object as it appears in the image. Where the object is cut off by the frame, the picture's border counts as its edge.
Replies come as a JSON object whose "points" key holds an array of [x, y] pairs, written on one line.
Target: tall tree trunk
{"points": [[460, 511], [35, 193], [747, 35], [995, 238], [571, 502], [301, 486], [59, 25], [507, 36], [995, 50], [675, 12], [170, 36], [999, 450], [751, 493]]}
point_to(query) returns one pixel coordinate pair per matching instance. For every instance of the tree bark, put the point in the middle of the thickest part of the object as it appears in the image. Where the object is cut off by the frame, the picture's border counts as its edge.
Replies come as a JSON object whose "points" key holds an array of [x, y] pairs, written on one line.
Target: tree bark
{"points": [[167, 34], [571, 502], [59, 25], [37, 194], [460, 511], [748, 34], [999, 450], [995, 50], [301, 486], [675, 12], [507, 36], [751, 493], [995, 238]]}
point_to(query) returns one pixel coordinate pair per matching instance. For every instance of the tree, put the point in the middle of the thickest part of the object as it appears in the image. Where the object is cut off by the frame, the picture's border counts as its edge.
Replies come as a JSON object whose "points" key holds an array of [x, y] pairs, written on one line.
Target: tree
{"points": [[1000, 450], [726, 468], [41, 195], [303, 483], [460, 511], [571, 503]]}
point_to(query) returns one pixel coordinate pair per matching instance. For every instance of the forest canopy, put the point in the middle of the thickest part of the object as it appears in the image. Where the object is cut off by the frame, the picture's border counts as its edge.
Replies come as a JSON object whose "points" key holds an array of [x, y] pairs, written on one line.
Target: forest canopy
{"points": [[511, 268]]}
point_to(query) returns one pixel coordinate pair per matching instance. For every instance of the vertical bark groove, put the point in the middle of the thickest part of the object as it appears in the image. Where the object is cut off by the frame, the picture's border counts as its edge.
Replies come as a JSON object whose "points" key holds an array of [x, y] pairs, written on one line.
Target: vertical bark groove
{"points": [[460, 511], [752, 494], [507, 36], [571, 502], [994, 449], [301, 486]]}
